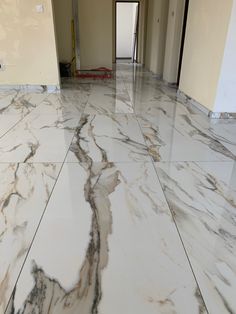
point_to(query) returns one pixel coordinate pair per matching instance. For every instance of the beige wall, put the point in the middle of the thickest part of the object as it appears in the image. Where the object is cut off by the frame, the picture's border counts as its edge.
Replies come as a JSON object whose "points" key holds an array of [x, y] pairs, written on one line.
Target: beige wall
{"points": [[156, 35], [206, 33], [95, 25], [142, 31], [27, 43], [63, 17], [173, 40]]}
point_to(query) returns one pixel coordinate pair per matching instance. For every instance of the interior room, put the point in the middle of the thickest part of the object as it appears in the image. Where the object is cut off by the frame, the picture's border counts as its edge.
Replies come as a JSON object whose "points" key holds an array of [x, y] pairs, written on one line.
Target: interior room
{"points": [[127, 21], [117, 157]]}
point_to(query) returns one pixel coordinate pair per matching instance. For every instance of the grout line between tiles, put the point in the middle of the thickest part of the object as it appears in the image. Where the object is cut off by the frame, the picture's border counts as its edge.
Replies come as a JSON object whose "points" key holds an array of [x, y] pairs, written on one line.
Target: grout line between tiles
{"points": [[34, 236], [114, 161], [22, 118], [38, 226], [64, 162], [185, 250]]}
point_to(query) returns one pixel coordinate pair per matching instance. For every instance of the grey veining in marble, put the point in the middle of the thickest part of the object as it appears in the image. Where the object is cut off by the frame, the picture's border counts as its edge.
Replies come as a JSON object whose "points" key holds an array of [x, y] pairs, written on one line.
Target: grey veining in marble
{"points": [[202, 197], [118, 258], [173, 133], [15, 105], [109, 98], [39, 138], [116, 196], [19, 103], [108, 138], [24, 193]]}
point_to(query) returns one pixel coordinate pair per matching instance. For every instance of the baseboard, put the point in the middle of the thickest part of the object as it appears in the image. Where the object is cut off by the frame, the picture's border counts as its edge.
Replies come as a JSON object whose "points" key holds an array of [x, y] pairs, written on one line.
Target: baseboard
{"points": [[212, 115], [222, 115], [157, 76], [32, 88], [171, 85], [190, 101]]}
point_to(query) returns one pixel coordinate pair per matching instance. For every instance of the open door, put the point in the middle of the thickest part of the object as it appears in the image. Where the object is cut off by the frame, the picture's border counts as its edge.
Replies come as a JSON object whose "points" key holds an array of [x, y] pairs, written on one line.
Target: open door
{"points": [[127, 27], [135, 39]]}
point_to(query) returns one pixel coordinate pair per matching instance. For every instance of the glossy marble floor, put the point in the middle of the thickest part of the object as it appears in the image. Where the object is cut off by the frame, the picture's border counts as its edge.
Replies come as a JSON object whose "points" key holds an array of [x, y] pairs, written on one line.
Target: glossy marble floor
{"points": [[115, 198]]}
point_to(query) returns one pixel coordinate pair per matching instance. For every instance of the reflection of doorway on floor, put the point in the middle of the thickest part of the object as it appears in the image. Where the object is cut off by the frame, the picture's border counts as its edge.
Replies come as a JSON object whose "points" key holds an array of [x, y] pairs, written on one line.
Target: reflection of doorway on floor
{"points": [[127, 15]]}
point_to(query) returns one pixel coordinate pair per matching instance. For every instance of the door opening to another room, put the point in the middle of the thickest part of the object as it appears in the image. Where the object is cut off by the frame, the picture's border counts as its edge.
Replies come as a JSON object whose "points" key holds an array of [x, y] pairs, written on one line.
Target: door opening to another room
{"points": [[127, 23], [183, 39]]}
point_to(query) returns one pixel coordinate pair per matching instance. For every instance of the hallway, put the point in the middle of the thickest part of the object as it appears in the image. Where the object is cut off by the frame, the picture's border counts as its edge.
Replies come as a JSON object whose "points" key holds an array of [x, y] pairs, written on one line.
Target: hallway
{"points": [[115, 198]]}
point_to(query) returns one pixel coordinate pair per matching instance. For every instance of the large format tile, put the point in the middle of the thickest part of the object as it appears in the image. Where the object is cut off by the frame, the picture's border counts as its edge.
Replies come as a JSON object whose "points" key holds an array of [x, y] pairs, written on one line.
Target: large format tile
{"points": [[75, 85], [66, 104], [24, 193], [154, 104], [107, 99], [107, 244], [202, 197], [15, 105], [19, 102], [108, 138], [38, 138], [173, 133], [222, 130], [7, 122]]}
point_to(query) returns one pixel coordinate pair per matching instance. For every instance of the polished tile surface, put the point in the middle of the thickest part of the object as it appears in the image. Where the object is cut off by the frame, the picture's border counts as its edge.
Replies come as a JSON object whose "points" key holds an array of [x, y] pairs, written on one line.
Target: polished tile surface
{"points": [[111, 137], [25, 190], [202, 197], [115, 198], [118, 215]]}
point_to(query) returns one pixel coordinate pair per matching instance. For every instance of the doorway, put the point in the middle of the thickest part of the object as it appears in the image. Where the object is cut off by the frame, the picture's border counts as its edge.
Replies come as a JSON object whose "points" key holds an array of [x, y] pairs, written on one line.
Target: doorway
{"points": [[183, 39], [127, 29]]}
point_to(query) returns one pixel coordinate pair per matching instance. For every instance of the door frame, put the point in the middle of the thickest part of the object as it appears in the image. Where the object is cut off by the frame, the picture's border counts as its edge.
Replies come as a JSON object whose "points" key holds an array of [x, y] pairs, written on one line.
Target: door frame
{"points": [[186, 8], [137, 34]]}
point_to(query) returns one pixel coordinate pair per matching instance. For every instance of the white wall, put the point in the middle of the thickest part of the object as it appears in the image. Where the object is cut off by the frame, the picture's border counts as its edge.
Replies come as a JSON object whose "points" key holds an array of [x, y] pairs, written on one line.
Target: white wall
{"points": [[206, 33], [173, 40], [27, 44], [125, 29], [156, 35], [226, 93]]}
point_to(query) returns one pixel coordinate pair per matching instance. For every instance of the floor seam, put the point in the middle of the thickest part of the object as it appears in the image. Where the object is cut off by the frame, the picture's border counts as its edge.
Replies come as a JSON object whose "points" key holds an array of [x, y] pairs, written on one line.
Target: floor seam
{"points": [[39, 224], [180, 237], [22, 118]]}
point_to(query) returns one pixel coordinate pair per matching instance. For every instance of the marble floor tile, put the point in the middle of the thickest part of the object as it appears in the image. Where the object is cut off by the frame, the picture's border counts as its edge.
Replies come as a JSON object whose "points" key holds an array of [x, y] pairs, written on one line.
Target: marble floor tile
{"points": [[153, 102], [226, 135], [119, 234], [15, 105], [24, 193], [7, 122], [67, 104], [113, 138], [6, 98], [112, 247], [75, 85], [19, 102], [38, 138], [222, 129], [172, 133], [202, 197], [109, 99]]}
